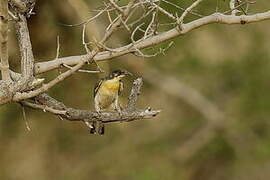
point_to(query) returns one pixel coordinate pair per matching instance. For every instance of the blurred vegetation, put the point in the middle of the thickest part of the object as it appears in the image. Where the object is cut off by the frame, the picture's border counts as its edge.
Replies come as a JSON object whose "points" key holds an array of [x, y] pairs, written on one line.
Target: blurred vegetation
{"points": [[228, 64]]}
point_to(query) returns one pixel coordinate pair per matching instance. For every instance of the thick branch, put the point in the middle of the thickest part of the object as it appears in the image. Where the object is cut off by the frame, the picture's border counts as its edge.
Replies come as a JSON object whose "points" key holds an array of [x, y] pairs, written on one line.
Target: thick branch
{"points": [[18, 4], [154, 40], [51, 105], [22, 6], [135, 92], [4, 40], [27, 57], [144, 43], [5, 93]]}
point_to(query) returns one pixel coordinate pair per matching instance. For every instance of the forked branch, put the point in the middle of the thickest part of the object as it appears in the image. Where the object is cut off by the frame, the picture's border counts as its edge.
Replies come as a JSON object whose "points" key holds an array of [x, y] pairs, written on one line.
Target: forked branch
{"points": [[217, 18], [129, 113]]}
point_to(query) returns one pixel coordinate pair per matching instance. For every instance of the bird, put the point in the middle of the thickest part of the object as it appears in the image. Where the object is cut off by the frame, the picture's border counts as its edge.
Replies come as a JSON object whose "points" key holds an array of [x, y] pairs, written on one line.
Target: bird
{"points": [[106, 95]]}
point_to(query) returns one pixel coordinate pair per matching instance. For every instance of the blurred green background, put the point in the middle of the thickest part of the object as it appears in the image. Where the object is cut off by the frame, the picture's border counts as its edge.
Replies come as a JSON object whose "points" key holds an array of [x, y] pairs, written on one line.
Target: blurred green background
{"points": [[227, 64]]}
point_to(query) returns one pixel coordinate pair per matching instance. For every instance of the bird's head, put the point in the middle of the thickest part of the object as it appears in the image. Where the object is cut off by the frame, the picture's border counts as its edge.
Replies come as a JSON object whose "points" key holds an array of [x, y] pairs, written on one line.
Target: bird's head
{"points": [[119, 74]]}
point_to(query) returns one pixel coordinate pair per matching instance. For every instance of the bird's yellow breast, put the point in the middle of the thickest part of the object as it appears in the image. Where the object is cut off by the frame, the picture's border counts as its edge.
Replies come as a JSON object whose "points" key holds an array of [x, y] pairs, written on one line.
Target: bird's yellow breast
{"points": [[110, 85]]}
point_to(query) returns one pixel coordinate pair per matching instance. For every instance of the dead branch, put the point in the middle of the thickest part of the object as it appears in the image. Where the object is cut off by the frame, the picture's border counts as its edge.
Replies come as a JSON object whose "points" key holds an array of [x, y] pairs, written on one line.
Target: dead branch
{"points": [[129, 113], [82, 70], [156, 39], [26, 95], [169, 15], [27, 57], [4, 40], [232, 7], [149, 37], [135, 92], [181, 8], [19, 5], [115, 25], [192, 6]]}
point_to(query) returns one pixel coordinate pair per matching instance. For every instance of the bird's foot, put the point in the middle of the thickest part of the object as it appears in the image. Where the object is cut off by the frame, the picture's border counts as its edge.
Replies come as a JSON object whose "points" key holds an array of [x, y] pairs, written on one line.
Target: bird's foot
{"points": [[91, 126], [101, 129], [93, 130]]}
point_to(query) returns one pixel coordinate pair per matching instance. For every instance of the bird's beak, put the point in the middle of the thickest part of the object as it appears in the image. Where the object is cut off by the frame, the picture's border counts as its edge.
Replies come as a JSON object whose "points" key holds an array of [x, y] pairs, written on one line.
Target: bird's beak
{"points": [[126, 73]]}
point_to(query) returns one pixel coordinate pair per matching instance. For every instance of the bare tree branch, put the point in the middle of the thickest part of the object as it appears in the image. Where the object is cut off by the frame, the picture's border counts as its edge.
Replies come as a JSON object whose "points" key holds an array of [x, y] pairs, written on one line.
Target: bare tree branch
{"points": [[238, 6], [232, 7], [169, 15], [26, 95], [116, 6], [44, 108], [149, 37], [118, 22], [181, 8], [153, 40], [27, 57], [135, 92], [193, 5], [19, 5], [47, 103], [4, 40], [5, 93]]}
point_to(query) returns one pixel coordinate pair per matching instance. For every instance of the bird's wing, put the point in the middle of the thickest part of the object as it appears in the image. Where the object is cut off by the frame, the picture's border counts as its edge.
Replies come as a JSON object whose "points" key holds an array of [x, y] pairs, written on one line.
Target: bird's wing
{"points": [[121, 87], [97, 86]]}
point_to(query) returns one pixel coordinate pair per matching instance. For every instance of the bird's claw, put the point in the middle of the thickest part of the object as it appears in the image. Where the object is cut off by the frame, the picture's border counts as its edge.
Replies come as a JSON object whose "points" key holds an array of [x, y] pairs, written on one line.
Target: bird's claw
{"points": [[101, 129], [92, 127], [93, 130]]}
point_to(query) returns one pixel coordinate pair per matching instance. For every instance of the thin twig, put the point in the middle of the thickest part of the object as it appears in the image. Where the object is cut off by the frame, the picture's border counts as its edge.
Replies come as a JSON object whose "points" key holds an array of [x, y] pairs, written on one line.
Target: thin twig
{"points": [[81, 70], [165, 12], [25, 119], [58, 48], [149, 27], [26, 95], [193, 5], [86, 21], [117, 23], [83, 39], [217, 18], [232, 7], [116, 6], [44, 108], [183, 9], [239, 5]]}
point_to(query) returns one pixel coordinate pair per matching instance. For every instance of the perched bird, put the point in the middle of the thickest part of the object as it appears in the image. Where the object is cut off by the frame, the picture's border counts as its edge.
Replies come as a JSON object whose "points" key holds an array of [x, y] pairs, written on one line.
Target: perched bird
{"points": [[106, 94]]}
